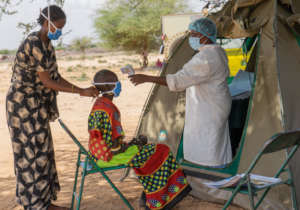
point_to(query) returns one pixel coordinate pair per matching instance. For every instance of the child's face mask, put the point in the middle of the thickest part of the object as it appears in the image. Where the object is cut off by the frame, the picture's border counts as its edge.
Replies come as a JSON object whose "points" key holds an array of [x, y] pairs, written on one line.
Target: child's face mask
{"points": [[117, 89]]}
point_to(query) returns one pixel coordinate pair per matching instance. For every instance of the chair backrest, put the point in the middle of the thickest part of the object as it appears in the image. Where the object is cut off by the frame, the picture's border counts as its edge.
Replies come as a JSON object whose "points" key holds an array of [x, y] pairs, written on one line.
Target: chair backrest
{"points": [[63, 125], [282, 141]]}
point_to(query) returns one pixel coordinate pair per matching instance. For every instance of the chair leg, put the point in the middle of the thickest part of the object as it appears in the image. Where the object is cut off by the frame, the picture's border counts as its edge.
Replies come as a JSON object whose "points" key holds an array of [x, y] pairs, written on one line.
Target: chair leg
{"points": [[227, 204], [293, 191], [250, 193], [294, 201], [282, 169], [75, 180], [262, 197], [294, 198], [125, 174], [234, 193], [82, 182]]}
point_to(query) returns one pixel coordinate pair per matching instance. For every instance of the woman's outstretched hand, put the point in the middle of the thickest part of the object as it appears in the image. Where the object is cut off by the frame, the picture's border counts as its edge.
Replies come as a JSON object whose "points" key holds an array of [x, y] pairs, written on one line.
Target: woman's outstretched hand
{"points": [[137, 79], [90, 92]]}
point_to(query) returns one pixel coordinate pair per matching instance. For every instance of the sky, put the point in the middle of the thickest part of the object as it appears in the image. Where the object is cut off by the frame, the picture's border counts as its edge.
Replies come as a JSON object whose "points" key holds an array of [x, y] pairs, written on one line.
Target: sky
{"points": [[80, 16]]}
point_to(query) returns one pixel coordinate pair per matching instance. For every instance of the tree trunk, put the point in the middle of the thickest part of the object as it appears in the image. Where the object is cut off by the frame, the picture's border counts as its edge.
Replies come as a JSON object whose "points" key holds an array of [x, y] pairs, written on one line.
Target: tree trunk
{"points": [[145, 59], [145, 54]]}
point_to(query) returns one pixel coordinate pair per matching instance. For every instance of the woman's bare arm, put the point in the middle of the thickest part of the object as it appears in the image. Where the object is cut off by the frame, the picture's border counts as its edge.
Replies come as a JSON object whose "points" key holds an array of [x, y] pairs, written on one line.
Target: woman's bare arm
{"points": [[65, 86]]}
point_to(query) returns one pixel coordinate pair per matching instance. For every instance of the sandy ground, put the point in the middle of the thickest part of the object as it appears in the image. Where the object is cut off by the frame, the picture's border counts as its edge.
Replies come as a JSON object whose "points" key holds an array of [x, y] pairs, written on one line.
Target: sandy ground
{"points": [[74, 111]]}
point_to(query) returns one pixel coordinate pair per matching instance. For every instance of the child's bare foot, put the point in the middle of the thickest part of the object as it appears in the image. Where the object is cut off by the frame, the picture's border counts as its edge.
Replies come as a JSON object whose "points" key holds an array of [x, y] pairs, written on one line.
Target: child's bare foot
{"points": [[54, 207], [140, 141]]}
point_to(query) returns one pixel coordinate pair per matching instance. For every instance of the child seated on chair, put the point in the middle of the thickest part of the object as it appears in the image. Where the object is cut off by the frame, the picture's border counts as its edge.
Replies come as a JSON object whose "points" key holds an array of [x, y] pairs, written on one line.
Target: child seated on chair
{"points": [[104, 123], [163, 181]]}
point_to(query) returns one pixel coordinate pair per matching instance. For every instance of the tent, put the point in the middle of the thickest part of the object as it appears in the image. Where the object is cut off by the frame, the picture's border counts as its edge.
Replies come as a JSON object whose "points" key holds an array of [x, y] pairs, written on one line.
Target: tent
{"points": [[275, 98], [173, 24]]}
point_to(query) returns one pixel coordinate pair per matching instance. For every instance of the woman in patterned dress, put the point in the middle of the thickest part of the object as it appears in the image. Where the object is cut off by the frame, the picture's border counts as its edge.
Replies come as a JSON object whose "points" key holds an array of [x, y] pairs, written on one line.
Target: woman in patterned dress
{"points": [[30, 105]]}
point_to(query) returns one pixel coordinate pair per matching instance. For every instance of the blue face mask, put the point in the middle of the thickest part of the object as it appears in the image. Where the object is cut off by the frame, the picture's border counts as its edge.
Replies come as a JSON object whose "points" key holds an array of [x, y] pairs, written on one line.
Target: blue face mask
{"points": [[194, 42], [117, 89], [52, 35]]}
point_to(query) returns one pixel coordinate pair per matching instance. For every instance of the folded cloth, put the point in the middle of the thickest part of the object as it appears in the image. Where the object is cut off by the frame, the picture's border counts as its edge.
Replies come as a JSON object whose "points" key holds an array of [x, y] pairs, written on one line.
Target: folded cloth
{"points": [[119, 159], [241, 83]]}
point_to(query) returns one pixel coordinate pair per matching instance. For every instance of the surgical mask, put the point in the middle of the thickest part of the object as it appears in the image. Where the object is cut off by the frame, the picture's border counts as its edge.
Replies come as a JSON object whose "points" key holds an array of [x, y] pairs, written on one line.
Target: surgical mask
{"points": [[52, 35], [55, 35], [194, 42], [116, 91]]}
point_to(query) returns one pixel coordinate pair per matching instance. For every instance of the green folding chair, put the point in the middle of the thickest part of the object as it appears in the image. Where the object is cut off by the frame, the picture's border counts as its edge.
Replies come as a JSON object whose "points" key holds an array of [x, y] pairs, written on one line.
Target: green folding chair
{"points": [[82, 152], [287, 140]]}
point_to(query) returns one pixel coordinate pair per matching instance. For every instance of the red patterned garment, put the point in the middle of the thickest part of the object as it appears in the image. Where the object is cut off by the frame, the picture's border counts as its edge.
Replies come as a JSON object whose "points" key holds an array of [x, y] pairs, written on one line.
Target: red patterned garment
{"points": [[163, 180], [104, 125]]}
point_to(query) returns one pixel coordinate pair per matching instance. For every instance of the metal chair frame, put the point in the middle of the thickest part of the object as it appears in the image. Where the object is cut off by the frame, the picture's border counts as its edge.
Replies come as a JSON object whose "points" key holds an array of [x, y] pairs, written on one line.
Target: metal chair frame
{"points": [[82, 152], [288, 141]]}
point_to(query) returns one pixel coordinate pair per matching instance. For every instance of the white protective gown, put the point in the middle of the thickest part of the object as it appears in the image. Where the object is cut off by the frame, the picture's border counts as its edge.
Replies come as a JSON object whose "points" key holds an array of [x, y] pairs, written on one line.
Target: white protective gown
{"points": [[206, 138]]}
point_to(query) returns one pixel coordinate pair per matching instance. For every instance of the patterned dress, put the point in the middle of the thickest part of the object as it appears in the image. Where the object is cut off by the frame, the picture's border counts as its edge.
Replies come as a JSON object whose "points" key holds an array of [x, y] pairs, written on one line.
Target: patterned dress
{"points": [[29, 107], [104, 128], [163, 181]]}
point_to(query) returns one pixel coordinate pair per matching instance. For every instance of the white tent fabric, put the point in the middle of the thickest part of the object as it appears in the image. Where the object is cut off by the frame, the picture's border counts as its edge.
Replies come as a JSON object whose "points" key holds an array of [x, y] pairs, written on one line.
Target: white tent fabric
{"points": [[276, 97]]}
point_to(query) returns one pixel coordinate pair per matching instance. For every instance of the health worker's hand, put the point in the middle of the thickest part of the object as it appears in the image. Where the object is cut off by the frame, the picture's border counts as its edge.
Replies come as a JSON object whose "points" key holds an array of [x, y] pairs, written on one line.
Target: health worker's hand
{"points": [[90, 92], [137, 79]]}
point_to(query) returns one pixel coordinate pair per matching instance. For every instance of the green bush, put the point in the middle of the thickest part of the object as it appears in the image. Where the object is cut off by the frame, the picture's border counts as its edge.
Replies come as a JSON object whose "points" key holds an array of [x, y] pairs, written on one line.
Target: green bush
{"points": [[69, 58], [81, 44], [7, 52], [83, 77], [102, 61], [135, 24]]}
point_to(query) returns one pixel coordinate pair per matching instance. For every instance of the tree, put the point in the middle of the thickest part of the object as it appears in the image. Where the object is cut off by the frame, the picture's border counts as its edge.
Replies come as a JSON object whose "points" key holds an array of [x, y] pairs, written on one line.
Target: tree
{"points": [[81, 44], [213, 5], [134, 24], [7, 8]]}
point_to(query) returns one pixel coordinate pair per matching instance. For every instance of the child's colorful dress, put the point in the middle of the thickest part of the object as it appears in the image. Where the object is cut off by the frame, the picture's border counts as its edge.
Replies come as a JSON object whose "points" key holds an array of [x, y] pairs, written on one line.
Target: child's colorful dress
{"points": [[163, 181]]}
